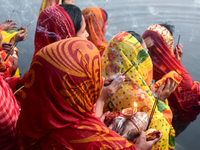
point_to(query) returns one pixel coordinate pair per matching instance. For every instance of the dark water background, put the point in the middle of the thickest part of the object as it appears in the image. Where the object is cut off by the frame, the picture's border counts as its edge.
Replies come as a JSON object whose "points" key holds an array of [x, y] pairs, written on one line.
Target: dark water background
{"points": [[127, 15]]}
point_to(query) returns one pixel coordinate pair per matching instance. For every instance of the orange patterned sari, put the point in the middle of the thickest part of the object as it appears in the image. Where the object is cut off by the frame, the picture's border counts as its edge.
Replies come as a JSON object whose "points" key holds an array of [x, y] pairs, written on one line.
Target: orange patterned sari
{"points": [[95, 21], [64, 83], [7, 66]]}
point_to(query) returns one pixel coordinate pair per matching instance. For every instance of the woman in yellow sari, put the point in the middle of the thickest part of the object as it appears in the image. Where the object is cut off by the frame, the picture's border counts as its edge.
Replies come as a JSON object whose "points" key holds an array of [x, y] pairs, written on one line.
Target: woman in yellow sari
{"points": [[122, 52], [47, 3]]}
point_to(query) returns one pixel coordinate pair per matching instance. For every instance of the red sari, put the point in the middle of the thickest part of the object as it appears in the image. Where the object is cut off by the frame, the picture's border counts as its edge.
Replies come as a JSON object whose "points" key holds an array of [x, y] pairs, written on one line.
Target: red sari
{"points": [[95, 19], [53, 24], [9, 112], [64, 82], [185, 100]]}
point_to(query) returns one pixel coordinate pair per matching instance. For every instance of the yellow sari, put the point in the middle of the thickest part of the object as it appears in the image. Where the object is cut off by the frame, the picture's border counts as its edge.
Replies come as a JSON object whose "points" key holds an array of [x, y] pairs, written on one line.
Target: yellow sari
{"points": [[123, 51], [47, 3], [7, 36]]}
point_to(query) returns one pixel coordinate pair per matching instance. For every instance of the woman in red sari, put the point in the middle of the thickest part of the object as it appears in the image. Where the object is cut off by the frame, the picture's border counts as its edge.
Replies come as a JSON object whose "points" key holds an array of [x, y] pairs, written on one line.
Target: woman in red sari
{"points": [[96, 25], [64, 82], [9, 112], [59, 22], [185, 100]]}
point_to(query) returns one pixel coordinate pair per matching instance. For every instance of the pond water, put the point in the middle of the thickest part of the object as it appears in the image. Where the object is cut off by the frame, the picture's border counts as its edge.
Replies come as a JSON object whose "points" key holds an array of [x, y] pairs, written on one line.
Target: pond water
{"points": [[128, 15]]}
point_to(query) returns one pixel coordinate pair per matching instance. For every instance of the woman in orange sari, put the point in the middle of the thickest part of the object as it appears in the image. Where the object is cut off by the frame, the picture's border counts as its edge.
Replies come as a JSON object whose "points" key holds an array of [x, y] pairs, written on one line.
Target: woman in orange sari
{"points": [[96, 25], [64, 82], [185, 100]]}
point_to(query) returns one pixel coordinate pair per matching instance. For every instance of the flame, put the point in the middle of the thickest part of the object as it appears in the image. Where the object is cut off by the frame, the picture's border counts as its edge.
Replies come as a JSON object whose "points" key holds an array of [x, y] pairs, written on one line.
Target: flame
{"points": [[135, 105]]}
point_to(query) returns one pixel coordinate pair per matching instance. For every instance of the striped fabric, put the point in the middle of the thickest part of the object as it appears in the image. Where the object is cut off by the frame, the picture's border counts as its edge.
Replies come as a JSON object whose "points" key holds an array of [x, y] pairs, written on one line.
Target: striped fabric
{"points": [[9, 112]]}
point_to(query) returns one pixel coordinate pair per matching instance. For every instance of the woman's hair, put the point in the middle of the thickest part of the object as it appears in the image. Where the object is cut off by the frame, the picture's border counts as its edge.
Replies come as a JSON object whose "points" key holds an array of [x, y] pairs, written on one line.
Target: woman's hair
{"points": [[75, 14], [168, 27], [106, 14], [136, 35], [63, 1]]}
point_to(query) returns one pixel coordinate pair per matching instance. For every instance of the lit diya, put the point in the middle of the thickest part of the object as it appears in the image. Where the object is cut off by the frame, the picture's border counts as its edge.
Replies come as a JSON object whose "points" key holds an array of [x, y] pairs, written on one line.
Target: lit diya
{"points": [[129, 112], [129, 123]]}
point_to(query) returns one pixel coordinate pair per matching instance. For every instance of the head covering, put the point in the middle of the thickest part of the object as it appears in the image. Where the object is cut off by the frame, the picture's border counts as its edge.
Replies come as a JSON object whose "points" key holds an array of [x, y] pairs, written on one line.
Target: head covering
{"points": [[64, 82], [184, 101], [53, 24], [95, 20], [47, 3], [9, 112], [123, 51]]}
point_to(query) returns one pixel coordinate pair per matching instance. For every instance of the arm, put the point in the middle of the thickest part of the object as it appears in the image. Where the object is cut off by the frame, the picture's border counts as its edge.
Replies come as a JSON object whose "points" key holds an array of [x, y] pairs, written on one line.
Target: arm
{"points": [[108, 91]]}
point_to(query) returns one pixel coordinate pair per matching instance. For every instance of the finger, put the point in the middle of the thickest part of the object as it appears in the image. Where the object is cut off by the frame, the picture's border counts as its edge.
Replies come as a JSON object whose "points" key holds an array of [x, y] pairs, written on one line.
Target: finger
{"points": [[176, 53], [120, 79], [160, 90], [13, 27], [168, 85], [174, 87], [9, 20], [180, 46], [181, 53], [14, 23], [173, 83], [115, 76]]}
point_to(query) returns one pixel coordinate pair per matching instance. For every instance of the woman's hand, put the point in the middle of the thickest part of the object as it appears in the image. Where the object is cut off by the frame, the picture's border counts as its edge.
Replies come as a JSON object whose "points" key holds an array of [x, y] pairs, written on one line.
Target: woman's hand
{"points": [[8, 25], [108, 81], [178, 52], [107, 92], [21, 35], [115, 84], [166, 90], [142, 144], [102, 118], [7, 47]]}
